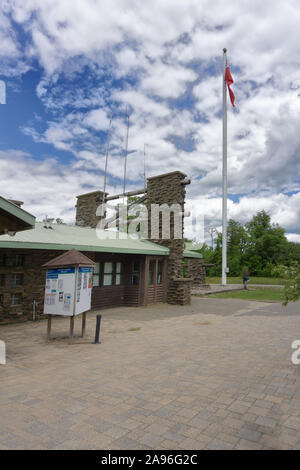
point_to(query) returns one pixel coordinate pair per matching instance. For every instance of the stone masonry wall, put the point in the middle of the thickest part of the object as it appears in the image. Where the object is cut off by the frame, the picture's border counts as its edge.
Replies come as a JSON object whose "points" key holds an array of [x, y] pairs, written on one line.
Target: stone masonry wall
{"points": [[196, 271], [33, 286], [86, 208], [169, 189]]}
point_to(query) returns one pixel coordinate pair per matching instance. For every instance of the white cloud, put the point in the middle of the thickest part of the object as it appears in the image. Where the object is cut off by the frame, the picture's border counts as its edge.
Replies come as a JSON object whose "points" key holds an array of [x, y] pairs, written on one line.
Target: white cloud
{"points": [[97, 119], [167, 81], [283, 209], [293, 237], [164, 48]]}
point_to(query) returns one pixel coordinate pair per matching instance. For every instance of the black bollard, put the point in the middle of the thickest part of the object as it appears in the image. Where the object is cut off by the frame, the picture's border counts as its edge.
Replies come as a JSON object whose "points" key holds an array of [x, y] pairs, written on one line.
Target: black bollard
{"points": [[97, 334]]}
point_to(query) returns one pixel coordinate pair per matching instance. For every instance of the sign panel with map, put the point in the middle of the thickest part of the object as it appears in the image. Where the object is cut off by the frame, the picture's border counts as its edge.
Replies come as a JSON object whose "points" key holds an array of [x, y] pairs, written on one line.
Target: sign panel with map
{"points": [[68, 291]]}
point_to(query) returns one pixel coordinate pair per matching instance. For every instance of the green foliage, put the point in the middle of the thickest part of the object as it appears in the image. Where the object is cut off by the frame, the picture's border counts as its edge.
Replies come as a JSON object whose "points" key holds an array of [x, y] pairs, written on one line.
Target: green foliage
{"points": [[292, 275], [278, 281], [258, 246], [262, 294], [245, 272]]}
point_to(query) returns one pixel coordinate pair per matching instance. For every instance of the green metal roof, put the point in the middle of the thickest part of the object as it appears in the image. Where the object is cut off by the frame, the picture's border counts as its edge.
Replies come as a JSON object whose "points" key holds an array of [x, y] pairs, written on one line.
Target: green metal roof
{"points": [[192, 254], [17, 212], [65, 237]]}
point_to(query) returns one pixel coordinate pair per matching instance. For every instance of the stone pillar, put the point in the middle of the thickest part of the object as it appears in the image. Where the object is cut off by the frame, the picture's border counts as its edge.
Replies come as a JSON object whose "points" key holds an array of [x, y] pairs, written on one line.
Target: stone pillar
{"points": [[170, 188], [86, 208], [196, 271]]}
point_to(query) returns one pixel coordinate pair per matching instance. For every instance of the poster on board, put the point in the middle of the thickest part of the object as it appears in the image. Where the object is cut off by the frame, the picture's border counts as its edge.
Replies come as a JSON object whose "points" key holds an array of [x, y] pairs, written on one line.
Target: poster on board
{"points": [[66, 296], [84, 294]]}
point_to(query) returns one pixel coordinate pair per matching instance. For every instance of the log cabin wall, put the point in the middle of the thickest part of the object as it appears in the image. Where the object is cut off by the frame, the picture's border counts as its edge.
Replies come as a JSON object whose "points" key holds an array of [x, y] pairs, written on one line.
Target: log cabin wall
{"points": [[129, 293], [155, 289], [106, 291]]}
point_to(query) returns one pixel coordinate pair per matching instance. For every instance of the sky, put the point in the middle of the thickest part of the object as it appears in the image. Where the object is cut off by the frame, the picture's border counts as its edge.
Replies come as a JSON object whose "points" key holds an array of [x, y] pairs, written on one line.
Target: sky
{"points": [[68, 65]]}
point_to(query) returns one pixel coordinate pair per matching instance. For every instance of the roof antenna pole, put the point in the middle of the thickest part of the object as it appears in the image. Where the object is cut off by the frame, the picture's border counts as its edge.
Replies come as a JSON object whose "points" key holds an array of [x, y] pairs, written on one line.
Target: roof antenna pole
{"points": [[126, 151], [145, 180], [106, 156]]}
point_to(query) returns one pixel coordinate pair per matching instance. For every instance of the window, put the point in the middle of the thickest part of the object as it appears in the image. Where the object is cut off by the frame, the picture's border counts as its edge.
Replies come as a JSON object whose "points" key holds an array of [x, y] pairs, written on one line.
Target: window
{"points": [[2, 259], [1, 300], [17, 279], [19, 260], [2, 280], [96, 276], [160, 272], [119, 274], [135, 276], [16, 299], [108, 274], [151, 272]]}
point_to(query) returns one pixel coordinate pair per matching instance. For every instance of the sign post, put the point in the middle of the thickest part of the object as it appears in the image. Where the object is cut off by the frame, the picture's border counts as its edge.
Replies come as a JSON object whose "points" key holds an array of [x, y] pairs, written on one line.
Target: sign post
{"points": [[68, 288]]}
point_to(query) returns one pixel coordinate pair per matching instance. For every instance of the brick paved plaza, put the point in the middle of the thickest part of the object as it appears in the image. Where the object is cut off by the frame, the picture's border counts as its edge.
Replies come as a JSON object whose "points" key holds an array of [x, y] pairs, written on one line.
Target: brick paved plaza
{"points": [[213, 375]]}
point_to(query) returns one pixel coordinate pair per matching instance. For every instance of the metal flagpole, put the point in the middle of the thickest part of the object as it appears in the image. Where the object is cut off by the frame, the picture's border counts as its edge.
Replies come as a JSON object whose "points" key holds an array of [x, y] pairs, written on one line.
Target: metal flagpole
{"points": [[224, 208], [106, 158]]}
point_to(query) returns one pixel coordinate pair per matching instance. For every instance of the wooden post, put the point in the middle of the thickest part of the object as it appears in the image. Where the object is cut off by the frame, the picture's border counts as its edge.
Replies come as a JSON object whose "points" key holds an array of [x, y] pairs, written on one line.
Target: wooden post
{"points": [[71, 327], [83, 324], [49, 327]]}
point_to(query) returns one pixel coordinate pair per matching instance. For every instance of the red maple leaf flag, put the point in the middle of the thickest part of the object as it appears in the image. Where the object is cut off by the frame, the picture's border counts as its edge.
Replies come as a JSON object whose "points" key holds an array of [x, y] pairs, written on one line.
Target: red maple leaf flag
{"points": [[229, 81]]}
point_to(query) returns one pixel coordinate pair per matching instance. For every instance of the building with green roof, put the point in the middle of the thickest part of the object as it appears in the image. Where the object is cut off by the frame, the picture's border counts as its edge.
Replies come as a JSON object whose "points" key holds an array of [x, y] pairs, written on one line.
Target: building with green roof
{"points": [[13, 218], [129, 271]]}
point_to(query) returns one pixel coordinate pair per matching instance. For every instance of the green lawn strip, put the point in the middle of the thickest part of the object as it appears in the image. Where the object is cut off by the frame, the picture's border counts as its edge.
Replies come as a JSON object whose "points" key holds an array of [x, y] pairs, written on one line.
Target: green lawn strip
{"points": [[263, 294], [253, 280]]}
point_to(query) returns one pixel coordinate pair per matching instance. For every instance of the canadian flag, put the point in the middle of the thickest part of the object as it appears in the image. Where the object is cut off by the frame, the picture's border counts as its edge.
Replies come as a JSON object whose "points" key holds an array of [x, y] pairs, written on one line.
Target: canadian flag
{"points": [[229, 81]]}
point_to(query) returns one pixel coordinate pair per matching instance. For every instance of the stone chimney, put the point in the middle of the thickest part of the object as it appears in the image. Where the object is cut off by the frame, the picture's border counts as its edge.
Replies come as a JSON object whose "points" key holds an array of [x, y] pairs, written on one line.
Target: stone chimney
{"points": [[170, 188], [86, 208]]}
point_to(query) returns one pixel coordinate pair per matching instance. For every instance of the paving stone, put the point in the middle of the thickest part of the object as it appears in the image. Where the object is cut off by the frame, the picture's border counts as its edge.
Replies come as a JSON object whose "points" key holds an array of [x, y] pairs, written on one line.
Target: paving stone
{"points": [[175, 394], [243, 444], [217, 444], [249, 434], [151, 440]]}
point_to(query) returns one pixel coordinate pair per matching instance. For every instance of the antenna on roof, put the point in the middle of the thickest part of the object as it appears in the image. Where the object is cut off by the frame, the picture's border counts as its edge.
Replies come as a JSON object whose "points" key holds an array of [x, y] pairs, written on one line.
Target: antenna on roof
{"points": [[48, 222], [145, 180], [126, 149], [106, 156]]}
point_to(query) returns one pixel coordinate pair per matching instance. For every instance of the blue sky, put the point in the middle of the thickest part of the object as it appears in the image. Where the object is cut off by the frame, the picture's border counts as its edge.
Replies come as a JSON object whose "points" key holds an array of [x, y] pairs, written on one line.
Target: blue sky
{"points": [[66, 68]]}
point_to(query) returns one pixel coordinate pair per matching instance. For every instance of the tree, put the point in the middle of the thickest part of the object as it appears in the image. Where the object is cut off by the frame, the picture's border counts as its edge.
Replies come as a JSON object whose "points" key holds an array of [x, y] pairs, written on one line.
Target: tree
{"points": [[258, 245], [293, 252], [236, 244], [292, 275], [267, 244]]}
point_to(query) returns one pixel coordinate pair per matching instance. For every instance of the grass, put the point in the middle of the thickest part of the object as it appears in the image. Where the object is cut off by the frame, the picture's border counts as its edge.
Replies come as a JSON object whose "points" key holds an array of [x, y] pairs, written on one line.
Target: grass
{"points": [[263, 294], [253, 280]]}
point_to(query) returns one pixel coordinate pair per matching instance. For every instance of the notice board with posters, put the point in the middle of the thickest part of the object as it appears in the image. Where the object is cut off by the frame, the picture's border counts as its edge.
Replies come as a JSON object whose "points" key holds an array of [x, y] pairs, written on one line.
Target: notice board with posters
{"points": [[84, 289], [68, 290]]}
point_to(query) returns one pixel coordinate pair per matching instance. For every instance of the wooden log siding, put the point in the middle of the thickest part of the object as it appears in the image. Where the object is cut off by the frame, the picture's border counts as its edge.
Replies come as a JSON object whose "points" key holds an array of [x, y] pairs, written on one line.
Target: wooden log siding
{"points": [[128, 294], [155, 292], [116, 295]]}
